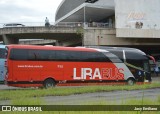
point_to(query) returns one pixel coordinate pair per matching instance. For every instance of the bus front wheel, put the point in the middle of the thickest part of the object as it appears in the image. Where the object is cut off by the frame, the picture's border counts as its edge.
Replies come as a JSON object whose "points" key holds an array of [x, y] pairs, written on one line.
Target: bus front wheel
{"points": [[49, 83], [130, 81]]}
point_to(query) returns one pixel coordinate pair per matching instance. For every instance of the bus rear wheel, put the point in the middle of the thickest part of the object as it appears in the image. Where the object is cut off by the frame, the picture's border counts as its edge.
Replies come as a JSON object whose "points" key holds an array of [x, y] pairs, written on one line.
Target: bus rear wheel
{"points": [[130, 81], [49, 83]]}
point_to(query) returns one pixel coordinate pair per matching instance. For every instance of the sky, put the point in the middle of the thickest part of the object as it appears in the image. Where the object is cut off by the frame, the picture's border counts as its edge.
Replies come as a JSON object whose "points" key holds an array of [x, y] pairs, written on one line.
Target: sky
{"points": [[27, 11]]}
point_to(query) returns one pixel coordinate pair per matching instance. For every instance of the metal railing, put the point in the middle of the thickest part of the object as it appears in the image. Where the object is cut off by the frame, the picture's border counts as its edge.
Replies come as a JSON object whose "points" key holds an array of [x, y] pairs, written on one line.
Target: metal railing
{"points": [[65, 24], [86, 24]]}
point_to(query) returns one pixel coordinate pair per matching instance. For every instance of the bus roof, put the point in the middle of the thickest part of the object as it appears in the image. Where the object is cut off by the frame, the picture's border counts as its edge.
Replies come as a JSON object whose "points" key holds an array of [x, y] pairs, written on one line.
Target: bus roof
{"points": [[51, 48], [117, 48], [134, 50]]}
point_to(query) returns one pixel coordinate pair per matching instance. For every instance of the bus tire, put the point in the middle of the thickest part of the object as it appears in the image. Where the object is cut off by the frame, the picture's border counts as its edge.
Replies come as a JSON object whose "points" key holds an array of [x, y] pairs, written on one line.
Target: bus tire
{"points": [[131, 81], [49, 83]]}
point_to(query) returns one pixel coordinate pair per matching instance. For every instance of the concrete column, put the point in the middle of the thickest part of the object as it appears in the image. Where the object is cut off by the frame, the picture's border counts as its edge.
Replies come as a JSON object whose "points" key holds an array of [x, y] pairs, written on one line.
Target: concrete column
{"points": [[89, 37], [7, 40]]}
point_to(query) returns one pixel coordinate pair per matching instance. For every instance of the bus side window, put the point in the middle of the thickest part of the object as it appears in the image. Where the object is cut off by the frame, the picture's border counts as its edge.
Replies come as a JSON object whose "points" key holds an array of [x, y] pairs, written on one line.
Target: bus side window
{"points": [[31, 55], [94, 57], [51, 55], [41, 55], [75, 56], [61, 56], [19, 54]]}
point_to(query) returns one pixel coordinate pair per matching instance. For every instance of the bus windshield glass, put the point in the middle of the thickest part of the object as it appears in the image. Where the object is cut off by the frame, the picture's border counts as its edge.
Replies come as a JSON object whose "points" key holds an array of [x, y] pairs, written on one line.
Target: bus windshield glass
{"points": [[2, 53], [138, 60]]}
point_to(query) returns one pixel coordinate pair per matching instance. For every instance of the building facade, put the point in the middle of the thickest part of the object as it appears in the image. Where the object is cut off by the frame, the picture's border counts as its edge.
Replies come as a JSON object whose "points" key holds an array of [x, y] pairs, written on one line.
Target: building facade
{"points": [[124, 21], [131, 23]]}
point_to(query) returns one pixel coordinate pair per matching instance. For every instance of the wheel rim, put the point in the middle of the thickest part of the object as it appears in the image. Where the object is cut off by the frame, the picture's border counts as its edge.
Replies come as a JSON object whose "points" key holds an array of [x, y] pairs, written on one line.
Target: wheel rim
{"points": [[130, 82], [48, 85]]}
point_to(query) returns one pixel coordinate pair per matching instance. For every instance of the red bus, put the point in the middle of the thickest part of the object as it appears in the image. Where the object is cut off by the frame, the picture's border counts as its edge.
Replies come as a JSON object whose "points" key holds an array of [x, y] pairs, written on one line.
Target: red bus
{"points": [[36, 66]]}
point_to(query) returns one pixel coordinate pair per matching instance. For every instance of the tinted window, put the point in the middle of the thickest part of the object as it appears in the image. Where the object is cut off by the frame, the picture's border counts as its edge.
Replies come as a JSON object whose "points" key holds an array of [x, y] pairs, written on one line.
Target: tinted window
{"points": [[94, 57], [135, 56], [68, 56], [136, 59], [32, 55], [41, 55], [19, 54], [2, 53], [119, 54], [54, 55]]}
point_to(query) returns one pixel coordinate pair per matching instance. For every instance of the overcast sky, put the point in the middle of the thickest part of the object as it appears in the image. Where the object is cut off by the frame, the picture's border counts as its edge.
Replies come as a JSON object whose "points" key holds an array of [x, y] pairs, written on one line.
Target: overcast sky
{"points": [[28, 10]]}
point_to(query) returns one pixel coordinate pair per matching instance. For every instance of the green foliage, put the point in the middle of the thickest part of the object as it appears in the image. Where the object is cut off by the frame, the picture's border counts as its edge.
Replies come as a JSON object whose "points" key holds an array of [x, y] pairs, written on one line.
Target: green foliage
{"points": [[159, 99], [27, 101], [80, 31], [37, 101]]}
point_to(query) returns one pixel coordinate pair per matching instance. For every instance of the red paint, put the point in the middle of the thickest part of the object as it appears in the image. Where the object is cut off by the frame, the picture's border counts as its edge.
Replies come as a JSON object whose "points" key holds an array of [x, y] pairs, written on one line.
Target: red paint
{"points": [[38, 71]]}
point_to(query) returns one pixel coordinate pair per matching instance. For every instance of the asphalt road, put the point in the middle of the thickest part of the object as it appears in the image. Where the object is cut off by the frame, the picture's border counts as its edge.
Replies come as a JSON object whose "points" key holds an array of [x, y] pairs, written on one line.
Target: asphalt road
{"points": [[115, 97]]}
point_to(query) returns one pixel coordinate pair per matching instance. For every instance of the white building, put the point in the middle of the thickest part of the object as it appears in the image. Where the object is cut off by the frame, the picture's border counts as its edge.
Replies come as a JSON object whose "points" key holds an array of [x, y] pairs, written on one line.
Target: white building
{"points": [[131, 23], [130, 18]]}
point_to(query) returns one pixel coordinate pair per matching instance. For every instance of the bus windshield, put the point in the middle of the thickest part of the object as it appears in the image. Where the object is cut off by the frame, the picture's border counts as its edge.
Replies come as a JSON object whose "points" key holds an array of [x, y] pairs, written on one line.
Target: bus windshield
{"points": [[2, 53], [146, 66], [138, 60], [2, 62]]}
